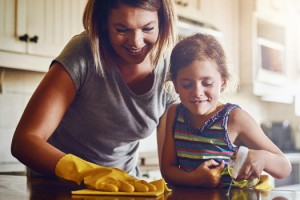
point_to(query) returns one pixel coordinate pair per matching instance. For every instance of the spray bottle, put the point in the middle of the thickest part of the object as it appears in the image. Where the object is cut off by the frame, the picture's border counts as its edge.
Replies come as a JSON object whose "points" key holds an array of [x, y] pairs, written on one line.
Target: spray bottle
{"points": [[235, 166]]}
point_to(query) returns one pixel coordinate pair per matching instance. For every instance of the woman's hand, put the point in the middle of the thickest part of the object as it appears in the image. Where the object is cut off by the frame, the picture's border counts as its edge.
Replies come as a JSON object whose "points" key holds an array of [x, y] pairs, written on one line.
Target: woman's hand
{"points": [[253, 166], [209, 173]]}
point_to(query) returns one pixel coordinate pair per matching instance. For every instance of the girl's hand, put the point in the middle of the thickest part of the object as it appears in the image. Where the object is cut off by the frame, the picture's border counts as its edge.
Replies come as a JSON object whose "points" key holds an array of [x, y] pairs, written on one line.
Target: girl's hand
{"points": [[210, 173], [253, 166]]}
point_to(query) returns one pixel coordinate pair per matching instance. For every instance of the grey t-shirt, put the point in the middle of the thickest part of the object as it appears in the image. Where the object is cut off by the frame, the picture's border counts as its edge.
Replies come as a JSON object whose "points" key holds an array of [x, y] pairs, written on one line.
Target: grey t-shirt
{"points": [[106, 120]]}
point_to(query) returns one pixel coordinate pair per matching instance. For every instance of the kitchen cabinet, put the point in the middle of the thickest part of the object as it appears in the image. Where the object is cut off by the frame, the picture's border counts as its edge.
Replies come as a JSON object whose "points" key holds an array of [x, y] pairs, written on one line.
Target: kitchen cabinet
{"points": [[149, 165], [270, 22], [190, 9], [206, 11], [272, 8], [37, 29]]}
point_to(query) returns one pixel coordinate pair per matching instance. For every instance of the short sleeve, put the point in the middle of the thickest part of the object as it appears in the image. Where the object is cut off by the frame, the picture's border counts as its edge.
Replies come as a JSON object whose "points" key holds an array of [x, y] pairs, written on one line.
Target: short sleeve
{"points": [[77, 59]]}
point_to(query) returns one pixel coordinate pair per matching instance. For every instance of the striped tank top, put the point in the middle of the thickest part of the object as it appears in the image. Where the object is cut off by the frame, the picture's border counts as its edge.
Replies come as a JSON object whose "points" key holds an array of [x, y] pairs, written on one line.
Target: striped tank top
{"points": [[197, 145]]}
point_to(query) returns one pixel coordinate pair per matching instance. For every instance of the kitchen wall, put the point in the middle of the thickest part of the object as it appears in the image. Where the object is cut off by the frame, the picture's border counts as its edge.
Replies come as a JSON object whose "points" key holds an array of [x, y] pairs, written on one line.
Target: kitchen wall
{"points": [[16, 87]]}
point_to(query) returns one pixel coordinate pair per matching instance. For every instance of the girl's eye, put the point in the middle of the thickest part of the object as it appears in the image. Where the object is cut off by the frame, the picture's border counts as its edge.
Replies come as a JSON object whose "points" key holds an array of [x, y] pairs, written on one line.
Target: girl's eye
{"points": [[207, 84]]}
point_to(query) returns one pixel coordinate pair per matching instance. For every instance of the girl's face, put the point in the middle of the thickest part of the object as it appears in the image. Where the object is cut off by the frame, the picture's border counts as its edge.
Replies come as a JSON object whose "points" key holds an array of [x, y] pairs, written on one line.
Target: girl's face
{"points": [[199, 86], [132, 32]]}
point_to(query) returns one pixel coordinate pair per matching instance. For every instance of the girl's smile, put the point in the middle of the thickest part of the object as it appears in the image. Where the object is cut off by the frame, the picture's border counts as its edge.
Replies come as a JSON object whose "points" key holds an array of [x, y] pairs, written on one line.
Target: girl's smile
{"points": [[199, 86]]}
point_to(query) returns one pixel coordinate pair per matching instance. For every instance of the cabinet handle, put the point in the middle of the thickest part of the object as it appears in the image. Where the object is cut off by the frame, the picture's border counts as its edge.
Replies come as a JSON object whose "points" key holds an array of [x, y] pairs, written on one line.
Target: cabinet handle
{"points": [[181, 3], [24, 37], [34, 39]]}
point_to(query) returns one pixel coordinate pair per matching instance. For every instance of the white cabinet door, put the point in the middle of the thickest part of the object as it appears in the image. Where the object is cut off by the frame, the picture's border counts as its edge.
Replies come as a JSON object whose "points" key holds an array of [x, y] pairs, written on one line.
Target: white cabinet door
{"points": [[199, 10], [51, 24], [188, 8], [9, 40], [39, 27], [272, 10]]}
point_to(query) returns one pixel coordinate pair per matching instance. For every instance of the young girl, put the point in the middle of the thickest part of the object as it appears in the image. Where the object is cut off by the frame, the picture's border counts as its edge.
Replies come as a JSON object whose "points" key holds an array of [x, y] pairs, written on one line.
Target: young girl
{"points": [[202, 133]]}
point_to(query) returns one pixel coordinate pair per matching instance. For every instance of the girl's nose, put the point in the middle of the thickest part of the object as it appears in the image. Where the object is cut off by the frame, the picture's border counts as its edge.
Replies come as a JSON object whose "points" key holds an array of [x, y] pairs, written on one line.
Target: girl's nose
{"points": [[198, 90]]}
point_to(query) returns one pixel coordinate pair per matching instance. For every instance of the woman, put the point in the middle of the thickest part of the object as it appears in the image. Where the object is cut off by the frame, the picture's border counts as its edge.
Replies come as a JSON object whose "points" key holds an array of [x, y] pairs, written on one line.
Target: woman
{"points": [[104, 92]]}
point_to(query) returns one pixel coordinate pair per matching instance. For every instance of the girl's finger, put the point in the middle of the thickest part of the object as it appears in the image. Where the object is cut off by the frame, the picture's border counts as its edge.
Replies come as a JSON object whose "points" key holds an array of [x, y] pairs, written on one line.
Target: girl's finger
{"points": [[211, 163]]}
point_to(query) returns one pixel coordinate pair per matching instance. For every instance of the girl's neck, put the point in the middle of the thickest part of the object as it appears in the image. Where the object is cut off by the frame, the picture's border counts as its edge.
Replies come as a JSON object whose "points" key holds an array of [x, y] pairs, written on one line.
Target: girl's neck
{"points": [[198, 121]]}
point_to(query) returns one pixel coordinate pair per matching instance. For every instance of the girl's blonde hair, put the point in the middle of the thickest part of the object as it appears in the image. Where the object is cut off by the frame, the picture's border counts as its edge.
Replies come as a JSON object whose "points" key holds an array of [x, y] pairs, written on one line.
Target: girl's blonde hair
{"points": [[95, 22]]}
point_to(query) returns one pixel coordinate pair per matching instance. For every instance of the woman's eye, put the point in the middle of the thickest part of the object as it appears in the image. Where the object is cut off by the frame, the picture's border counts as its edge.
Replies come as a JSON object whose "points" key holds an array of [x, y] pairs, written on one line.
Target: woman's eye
{"points": [[148, 29], [187, 85], [121, 30]]}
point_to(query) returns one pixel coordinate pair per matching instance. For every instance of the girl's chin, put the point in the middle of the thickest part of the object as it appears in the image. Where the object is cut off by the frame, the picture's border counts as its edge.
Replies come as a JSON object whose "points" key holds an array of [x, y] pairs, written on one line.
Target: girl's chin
{"points": [[199, 112]]}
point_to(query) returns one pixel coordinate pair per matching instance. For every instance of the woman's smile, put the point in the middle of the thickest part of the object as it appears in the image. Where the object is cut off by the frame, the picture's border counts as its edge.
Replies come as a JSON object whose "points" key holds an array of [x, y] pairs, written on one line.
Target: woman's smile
{"points": [[135, 51], [133, 33]]}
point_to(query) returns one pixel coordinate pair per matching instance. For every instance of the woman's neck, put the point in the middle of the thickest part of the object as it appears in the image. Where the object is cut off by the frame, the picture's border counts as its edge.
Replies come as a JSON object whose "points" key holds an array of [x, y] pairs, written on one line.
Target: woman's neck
{"points": [[138, 77]]}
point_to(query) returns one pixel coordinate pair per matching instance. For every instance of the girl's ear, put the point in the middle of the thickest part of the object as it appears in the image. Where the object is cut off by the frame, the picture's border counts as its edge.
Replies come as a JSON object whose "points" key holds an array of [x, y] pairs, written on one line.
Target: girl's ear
{"points": [[223, 85]]}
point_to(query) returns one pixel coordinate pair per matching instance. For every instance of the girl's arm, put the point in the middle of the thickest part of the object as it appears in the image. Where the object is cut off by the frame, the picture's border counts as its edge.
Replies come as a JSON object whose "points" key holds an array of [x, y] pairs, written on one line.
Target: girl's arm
{"points": [[263, 153], [40, 118], [204, 176]]}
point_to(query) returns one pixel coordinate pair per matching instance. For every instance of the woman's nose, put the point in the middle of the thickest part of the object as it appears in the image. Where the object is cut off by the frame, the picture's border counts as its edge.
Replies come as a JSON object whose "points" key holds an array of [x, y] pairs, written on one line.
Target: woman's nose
{"points": [[137, 40]]}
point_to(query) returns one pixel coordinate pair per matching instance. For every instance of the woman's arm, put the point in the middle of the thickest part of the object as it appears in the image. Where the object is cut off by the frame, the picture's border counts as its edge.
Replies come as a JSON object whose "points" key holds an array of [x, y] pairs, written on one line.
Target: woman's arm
{"points": [[161, 132], [207, 174], [263, 154], [40, 118]]}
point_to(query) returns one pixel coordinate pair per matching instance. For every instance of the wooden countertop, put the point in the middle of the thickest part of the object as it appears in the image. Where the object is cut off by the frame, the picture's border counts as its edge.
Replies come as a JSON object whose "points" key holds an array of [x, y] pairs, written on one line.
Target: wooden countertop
{"points": [[21, 187]]}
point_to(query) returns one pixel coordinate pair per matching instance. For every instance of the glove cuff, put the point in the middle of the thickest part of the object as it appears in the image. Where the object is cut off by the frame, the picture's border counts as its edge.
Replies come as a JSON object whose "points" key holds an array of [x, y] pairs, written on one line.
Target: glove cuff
{"points": [[73, 168]]}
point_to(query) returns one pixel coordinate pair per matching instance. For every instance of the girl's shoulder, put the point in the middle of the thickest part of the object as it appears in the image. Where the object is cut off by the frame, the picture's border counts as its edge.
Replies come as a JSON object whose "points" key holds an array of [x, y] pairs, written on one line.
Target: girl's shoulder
{"points": [[227, 109], [173, 108], [231, 106], [238, 115]]}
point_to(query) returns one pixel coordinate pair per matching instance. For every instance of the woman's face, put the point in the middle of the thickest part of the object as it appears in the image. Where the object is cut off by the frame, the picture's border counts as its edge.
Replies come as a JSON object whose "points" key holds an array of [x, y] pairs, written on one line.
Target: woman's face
{"points": [[199, 86], [132, 32]]}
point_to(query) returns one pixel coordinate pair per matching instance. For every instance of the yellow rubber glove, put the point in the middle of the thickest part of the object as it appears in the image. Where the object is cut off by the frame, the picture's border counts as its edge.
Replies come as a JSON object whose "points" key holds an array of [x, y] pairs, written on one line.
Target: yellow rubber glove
{"points": [[75, 169], [263, 183]]}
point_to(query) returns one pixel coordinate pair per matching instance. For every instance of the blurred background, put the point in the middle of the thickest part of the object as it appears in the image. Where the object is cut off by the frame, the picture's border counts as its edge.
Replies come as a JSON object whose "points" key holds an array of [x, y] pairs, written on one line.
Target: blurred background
{"points": [[261, 39]]}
